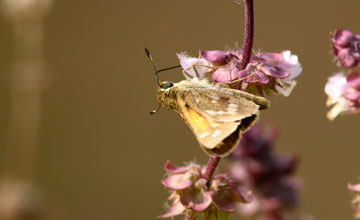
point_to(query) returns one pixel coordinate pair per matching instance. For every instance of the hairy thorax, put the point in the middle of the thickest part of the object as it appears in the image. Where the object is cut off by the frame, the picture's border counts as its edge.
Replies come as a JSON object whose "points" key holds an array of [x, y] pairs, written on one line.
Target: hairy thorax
{"points": [[168, 98]]}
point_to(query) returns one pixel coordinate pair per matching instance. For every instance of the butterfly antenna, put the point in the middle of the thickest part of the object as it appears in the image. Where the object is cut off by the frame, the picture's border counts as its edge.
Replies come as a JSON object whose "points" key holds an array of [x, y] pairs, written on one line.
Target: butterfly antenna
{"points": [[148, 54]]}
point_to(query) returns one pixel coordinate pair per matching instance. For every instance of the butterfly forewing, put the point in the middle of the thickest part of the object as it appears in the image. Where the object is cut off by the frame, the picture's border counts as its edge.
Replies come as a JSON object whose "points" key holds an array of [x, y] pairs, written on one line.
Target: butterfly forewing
{"points": [[219, 105]]}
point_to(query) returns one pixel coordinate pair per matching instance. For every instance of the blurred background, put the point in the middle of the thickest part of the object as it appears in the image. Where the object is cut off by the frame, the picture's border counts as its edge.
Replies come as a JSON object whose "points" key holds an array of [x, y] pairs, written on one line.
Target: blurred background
{"points": [[76, 90]]}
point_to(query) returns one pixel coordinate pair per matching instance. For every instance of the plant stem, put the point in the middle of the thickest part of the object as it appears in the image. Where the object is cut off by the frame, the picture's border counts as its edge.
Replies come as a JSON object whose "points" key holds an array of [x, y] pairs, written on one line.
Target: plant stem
{"points": [[249, 32], [246, 55], [210, 169]]}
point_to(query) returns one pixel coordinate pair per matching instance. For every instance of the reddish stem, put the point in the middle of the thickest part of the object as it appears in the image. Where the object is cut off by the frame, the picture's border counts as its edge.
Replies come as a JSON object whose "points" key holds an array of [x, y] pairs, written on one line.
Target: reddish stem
{"points": [[249, 32], [246, 55], [210, 169]]}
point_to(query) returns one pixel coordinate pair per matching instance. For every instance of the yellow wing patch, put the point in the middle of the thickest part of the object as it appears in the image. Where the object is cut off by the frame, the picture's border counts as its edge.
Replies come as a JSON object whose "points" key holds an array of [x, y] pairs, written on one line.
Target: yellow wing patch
{"points": [[209, 133]]}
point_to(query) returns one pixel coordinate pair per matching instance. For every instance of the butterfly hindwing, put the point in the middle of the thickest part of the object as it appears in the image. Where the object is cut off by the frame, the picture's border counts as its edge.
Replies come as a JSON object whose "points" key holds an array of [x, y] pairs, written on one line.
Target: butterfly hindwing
{"points": [[209, 133], [217, 117]]}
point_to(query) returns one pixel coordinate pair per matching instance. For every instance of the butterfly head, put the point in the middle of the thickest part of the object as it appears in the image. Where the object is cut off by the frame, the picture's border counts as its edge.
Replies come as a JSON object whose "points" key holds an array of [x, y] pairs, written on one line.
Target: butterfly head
{"points": [[166, 94], [165, 85], [163, 90]]}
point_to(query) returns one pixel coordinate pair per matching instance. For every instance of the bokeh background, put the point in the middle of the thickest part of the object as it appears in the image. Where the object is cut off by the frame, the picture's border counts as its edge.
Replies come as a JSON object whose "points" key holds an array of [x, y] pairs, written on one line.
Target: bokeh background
{"points": [[100, 155]]}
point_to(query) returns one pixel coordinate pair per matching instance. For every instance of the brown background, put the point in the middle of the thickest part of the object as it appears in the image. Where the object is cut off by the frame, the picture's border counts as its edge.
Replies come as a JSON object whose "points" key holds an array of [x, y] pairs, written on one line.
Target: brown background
{"points": [[101, 154]]}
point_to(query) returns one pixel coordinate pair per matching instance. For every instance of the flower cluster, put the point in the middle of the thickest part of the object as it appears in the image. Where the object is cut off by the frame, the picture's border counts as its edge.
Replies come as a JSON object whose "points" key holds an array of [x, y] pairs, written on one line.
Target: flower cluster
{"points": [[193, 195], [343, 94], [356, 201], [265, 72], [269, 176], [343, 90], [346, 46]]}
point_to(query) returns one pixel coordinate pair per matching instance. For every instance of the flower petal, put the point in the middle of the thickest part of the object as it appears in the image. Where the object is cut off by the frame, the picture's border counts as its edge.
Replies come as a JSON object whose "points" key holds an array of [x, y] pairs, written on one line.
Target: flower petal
{"points": [[195, 199], [342, 37], [335, 87], [346, 58], [291, 64], [353, 80], [354, 188], [274, 71], [285, 86], [190, 64], [342, 105], [215, 56], [257, 78], [170, 168], [176, 209], [224, 199], [286, 61], [226, 74], [352, 95], [177, 181], [277, 57], [242, 74]]}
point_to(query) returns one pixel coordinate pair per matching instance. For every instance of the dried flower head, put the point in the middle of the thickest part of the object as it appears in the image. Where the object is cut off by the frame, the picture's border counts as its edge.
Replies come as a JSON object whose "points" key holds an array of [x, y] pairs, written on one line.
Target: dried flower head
{"points": [[346, 47], [343, 94], [193, 195]]}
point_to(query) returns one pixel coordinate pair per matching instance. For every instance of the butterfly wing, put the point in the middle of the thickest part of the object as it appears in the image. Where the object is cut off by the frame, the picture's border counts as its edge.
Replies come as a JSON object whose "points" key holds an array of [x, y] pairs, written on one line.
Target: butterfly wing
{"points": [[208, 132], [220, 104], [217, 116]]}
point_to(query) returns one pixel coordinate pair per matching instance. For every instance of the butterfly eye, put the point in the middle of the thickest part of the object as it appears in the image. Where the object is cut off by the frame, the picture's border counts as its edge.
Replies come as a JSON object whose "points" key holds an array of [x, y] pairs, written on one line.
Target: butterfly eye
{"points": [[167, 84]]}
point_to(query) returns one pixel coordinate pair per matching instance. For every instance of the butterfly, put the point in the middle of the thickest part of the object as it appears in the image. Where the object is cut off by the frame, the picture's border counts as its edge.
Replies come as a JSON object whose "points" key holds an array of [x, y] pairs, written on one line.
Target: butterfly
{"points": [[217, 116]]}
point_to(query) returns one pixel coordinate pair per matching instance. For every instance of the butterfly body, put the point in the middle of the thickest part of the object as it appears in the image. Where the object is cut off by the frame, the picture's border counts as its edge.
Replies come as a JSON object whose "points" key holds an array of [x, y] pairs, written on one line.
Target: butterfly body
{"points": [[216, 115]]}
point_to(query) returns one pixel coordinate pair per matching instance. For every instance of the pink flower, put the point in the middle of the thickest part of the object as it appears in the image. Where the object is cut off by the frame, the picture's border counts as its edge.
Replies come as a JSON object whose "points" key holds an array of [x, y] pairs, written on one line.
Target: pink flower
{"points": [[194, 67], [346, 46], [343, 94], [266, 71], [228, 64], [276, 71], [193, 195]]}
